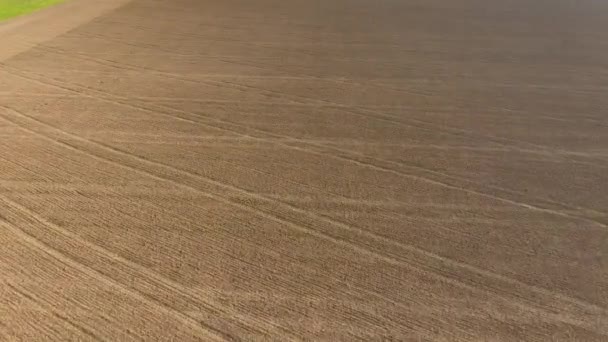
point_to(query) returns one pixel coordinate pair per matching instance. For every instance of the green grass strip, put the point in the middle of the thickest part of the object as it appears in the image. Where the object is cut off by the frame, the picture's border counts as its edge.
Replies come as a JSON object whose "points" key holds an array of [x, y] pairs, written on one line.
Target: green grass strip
{"points": [[13, 8]]}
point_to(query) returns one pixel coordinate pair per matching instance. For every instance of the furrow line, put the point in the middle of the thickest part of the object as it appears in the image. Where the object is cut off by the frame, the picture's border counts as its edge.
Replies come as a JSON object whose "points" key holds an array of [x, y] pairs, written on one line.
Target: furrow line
{"points": [[48, 308], [207, 332], [417, 258], [372, 160], [370, 163]]}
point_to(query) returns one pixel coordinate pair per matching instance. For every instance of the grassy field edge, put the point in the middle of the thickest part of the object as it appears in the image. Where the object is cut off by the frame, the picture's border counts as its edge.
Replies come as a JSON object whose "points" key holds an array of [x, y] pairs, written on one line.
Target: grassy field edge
{"points": [[14, 8]]}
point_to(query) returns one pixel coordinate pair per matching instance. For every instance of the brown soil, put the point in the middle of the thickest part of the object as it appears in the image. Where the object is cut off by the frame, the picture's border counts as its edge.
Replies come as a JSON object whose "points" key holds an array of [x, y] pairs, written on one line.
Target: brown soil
{"points": [[391, 170]]}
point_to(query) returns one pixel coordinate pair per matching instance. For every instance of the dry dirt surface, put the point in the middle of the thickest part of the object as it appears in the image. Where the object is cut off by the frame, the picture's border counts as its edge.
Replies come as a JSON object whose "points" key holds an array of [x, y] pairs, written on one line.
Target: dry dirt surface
{"points": [[297, 170]]}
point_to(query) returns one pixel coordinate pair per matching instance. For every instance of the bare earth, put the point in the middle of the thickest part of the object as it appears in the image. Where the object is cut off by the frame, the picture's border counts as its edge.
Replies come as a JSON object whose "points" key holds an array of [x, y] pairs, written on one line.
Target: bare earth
{"points": [[276, 170]]}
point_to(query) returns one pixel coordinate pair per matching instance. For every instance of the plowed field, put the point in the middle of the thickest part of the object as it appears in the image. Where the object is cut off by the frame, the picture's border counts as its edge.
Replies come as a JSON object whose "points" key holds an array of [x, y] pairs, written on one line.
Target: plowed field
{"points": [[277, 170]]}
